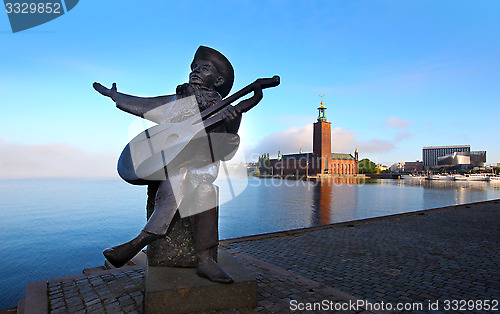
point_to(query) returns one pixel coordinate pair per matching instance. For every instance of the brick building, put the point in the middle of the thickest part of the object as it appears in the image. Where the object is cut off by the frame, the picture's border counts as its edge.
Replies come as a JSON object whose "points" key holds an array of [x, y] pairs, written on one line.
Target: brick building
{"points": [[414, 166], [321, 160]]}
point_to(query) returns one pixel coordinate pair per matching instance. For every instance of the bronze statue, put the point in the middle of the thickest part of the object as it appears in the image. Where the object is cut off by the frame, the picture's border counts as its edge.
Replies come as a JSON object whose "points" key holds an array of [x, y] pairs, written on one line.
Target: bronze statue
{"points": [[179, 158]]}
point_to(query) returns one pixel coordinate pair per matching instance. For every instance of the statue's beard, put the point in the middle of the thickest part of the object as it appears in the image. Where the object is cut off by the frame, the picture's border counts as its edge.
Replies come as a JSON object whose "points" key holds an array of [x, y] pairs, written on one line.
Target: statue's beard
{"points": [[204, 96]]}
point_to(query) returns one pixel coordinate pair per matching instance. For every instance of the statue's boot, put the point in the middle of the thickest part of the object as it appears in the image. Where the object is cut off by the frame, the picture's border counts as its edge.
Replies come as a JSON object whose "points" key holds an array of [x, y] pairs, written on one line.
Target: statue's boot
{"points": [[119, 255], [208, 268]]}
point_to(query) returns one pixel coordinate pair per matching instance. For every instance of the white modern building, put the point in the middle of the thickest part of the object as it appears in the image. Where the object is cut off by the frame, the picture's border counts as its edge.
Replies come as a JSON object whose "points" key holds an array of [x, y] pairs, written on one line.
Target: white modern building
{"points": [[434, 156], [431, 154]]}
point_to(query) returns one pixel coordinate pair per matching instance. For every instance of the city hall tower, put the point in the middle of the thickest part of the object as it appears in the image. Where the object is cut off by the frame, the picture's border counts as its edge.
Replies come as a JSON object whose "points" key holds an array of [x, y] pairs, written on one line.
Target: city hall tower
{"points": [[322, 140]]}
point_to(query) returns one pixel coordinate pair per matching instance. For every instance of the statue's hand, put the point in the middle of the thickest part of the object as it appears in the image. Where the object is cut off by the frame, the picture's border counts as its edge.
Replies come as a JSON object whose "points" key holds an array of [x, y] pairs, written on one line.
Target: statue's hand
{"points": [[232, 118], [230, 113], [108, 92]]}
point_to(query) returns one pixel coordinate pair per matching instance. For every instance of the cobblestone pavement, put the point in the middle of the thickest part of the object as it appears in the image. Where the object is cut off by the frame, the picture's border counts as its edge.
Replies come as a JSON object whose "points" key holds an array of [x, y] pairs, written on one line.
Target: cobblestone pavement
{"points": [[276, 288], [443, 254], [123, 292], [109, 292]]}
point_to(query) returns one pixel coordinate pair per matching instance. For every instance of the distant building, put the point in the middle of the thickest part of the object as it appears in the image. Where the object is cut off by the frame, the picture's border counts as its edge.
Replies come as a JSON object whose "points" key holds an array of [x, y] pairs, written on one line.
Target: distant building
{"points": [[459, 155], [478, 158], [454, 159], [413, 166], [321, 160], [397, 167], [431, 154], [381, 167]]}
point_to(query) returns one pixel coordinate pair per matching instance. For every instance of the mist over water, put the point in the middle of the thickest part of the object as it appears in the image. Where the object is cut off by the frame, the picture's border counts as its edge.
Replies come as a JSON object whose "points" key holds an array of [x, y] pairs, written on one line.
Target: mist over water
{"points": [[57, 227]]}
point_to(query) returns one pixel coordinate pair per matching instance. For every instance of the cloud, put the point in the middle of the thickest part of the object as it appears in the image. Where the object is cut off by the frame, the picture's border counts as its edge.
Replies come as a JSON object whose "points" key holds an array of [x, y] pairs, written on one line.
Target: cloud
{"points": [[396, 122], [343, 140], [287, 141], [401, 135], [53, 161], [428, 126], [375, 146]]}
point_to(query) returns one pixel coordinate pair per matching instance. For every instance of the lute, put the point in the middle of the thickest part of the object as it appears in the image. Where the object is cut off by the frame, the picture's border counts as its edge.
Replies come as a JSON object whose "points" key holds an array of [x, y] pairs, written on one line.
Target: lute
{"points": [[151, 154]]}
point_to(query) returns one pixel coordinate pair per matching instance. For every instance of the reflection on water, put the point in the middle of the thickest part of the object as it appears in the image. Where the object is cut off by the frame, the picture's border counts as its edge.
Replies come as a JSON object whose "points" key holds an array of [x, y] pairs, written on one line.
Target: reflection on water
{"points": [[272, 204], [460, 191], [322, 204], [334, 200]]}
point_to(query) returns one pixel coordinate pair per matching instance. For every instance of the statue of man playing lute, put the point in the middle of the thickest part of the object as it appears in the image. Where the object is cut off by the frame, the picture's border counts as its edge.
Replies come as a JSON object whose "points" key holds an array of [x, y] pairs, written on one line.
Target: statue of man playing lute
{"points": [[179, 158]]}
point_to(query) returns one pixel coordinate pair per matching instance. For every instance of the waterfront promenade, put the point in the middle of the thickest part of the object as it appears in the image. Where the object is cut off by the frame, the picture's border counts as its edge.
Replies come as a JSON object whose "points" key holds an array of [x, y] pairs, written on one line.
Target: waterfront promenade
{"points": [[444, 254]]}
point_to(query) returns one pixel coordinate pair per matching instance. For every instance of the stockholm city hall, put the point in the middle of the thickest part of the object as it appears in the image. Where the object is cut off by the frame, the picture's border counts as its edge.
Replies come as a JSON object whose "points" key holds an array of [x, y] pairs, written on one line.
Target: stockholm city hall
{"points": [[321, 161]]}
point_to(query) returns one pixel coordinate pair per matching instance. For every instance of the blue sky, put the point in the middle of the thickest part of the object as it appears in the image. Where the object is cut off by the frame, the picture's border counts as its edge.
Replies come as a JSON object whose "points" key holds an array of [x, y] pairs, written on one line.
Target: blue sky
{"points": [[396, 75]]}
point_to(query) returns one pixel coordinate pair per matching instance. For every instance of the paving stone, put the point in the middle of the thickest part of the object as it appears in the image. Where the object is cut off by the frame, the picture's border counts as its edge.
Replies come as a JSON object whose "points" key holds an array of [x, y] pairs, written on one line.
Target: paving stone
{"points": [[416, 254], [96, 308]]}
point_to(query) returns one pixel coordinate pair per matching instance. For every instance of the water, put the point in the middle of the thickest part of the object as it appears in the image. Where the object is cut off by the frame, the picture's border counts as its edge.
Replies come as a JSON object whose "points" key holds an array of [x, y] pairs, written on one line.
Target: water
{"points": [[55, 228], [269, 205]]}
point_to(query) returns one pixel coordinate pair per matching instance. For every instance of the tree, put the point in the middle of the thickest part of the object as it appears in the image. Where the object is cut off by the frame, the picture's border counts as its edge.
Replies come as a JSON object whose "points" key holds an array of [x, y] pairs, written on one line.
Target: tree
{"points": [[264, 165], [366, 166]]}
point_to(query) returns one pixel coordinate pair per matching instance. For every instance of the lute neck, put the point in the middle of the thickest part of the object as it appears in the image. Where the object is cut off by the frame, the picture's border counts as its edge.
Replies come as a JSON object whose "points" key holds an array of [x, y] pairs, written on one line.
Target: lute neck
{"points": [[211, 118]]}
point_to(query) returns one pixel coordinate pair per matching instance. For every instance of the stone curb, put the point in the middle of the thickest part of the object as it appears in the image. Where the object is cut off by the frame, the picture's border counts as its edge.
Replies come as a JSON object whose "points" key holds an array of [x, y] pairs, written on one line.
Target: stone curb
{"points": [[37, 299], [106, 271]]}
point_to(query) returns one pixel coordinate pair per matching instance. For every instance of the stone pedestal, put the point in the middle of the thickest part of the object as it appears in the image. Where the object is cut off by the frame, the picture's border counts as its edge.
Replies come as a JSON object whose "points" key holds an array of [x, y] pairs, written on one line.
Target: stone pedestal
{"points": [[181, 290], [177, 249]]}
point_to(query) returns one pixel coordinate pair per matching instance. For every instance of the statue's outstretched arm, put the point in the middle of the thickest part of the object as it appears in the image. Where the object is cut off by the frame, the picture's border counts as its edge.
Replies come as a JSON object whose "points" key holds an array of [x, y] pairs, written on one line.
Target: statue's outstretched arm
{"points": [[133, 104]]}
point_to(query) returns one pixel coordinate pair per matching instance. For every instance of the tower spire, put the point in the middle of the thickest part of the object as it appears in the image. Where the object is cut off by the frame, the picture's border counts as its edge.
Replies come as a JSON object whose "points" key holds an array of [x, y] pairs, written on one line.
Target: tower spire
{"points": [[321, 111]]}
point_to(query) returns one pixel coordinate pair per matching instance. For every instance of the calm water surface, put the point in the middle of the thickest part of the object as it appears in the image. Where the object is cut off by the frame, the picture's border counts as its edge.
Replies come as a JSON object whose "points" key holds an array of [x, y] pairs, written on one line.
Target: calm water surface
{"points": [[54, 228]]}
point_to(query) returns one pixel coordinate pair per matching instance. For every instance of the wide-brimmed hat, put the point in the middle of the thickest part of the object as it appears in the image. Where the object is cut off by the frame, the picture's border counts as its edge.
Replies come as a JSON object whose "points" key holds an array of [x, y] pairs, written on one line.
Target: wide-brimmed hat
{"points": [[221, 63]]}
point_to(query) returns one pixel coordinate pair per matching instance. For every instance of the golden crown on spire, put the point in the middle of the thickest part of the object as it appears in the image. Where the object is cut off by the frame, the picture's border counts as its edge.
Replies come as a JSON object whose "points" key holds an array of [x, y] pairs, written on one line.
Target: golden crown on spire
{"points": [[322, 106]]}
